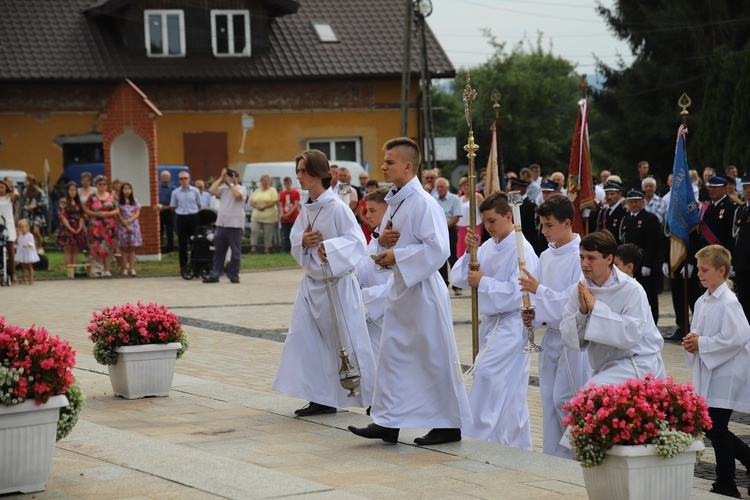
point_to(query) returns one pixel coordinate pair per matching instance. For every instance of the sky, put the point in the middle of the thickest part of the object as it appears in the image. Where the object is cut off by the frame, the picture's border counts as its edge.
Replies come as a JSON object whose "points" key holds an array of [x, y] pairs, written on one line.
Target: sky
{"points": [[573, 27]]}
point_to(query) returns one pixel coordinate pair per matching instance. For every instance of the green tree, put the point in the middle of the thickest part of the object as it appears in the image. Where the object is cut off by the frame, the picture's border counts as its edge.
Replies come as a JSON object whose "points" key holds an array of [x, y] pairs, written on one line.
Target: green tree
{"points": [[538, 107], [680, 45]]}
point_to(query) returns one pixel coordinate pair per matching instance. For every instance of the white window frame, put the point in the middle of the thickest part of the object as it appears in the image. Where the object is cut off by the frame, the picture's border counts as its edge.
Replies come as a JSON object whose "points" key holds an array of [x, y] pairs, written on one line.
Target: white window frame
{"points": [[333, 140], [230, 27], [164, 33]]}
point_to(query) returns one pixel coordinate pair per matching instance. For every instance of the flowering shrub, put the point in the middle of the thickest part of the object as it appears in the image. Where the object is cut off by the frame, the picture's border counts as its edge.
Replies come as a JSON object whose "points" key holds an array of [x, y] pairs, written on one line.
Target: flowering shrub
{"points": [[69, 414], [34, 365], [130, 325], [652, 411]]}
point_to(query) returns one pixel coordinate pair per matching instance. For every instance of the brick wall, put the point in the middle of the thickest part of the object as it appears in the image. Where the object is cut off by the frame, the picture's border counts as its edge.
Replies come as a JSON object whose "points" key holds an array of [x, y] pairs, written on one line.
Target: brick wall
{"points": [[129, 109]]}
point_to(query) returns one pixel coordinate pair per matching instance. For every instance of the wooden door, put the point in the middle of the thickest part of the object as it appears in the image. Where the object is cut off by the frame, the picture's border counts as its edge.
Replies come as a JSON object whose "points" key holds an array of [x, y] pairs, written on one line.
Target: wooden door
{"points": [[205, 153]]}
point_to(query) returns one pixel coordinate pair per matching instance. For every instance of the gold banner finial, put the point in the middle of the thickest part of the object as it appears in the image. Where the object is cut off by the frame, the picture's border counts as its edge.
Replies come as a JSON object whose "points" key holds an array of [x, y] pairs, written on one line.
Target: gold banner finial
{"points": [[495, 98], [684, 103], [470, 95]]}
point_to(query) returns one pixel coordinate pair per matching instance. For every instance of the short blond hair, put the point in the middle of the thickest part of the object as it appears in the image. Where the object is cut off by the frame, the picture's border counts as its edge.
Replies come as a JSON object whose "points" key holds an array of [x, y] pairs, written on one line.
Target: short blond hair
{"points": [[716, 256]]}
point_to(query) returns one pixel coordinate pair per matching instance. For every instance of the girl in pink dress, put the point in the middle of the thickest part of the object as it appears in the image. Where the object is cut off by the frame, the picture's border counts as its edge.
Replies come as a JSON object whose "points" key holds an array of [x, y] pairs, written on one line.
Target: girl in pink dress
{"points": [[128, 229]]}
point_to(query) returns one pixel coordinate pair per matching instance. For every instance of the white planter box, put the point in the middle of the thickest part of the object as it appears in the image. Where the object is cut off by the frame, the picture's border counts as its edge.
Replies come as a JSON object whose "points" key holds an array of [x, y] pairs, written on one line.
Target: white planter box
{"points": [[638, 473], [144, 370], [27, 442]]}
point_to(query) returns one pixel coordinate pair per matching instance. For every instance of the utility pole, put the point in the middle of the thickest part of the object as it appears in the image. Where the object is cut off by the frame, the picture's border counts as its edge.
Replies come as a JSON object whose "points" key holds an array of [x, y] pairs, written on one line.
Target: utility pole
{"points": [[406, 72]]}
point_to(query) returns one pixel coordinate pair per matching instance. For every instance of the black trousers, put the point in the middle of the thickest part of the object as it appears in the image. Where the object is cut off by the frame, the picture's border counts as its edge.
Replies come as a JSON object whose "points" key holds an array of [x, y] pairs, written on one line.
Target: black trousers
{"points": [[186, 225], [453, 238], [742, 287], [650, 284], [727, 446], [166, 223], [678, 301]]}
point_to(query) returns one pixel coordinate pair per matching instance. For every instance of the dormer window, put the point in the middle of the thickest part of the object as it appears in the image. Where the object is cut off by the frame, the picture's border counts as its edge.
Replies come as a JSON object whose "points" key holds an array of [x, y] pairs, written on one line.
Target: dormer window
{"points": [[230, 33], [165, 33]]}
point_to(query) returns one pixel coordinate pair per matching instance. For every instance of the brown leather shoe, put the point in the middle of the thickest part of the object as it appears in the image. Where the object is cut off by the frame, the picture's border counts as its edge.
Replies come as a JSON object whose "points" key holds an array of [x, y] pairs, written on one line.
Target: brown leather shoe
{"points": [[375, 431], [313, 408], [439, 436]]}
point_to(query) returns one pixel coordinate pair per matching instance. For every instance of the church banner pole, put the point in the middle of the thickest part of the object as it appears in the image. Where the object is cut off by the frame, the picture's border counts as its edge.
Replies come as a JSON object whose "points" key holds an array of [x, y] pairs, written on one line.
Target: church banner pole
{"points": [[684, 102], [469, 96]]}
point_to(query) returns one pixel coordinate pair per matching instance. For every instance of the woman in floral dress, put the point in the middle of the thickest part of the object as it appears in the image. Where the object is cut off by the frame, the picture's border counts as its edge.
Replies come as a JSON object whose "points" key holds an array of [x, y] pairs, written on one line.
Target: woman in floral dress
{"points": [[103, 211], [72, 233], [128, 229]]}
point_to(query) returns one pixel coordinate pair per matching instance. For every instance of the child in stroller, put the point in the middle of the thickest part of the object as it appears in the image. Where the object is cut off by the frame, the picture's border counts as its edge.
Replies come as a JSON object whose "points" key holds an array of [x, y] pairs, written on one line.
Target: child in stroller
{"points": [[201, 258]]}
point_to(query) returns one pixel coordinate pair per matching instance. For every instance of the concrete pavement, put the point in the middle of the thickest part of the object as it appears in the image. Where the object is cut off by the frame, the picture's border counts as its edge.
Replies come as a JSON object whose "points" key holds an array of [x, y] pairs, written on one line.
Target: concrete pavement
{"points": [[223, 433]]}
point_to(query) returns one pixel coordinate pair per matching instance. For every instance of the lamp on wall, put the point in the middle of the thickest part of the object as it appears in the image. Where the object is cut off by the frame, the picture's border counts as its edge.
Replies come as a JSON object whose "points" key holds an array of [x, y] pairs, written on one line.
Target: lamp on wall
{"points": [[248, 123]]}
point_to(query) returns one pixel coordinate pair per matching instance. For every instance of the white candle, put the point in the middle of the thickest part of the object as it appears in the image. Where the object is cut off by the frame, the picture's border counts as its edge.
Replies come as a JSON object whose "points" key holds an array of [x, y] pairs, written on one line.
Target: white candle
{"points": [[519, 248]]}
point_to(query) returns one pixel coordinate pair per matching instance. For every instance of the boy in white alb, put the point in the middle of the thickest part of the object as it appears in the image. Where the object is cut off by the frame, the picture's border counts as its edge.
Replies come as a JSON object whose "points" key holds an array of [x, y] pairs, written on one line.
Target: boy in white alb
{"points": [[418, 383], [562, 371], [327, 242], [501, 369], [609, 316], [718, 350]]}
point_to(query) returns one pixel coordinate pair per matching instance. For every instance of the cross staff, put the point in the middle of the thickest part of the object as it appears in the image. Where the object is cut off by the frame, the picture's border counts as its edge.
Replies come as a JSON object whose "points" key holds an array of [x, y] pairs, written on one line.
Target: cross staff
{"points": [[469, 96]]}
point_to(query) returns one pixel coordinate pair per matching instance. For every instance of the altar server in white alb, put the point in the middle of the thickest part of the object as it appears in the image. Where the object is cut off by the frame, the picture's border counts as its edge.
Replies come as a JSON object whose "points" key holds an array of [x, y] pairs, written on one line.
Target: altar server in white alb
{"points": [[419, 383], [718, 350], [374, 280], [608, 315], [562, 371], [501, 369], [325, 230]]}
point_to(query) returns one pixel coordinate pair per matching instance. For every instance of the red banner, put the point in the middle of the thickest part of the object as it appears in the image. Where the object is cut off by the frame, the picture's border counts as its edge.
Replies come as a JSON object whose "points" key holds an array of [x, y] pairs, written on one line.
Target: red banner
{"points": [[580, 185]]}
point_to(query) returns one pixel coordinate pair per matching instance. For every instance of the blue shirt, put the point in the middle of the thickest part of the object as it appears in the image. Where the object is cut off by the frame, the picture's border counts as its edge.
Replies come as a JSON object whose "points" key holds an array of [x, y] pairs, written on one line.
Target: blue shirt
{"points": [[451, 205], [185, 201], [205, 199], [165, 194]]}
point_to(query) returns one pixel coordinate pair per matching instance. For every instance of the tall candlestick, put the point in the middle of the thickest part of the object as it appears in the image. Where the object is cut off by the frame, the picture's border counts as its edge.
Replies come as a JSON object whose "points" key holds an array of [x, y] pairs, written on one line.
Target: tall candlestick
{"points": [[515, 200]]}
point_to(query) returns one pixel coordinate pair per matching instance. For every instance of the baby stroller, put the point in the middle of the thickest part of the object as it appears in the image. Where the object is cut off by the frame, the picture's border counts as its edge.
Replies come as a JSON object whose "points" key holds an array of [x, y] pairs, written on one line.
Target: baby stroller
{"points": [[5, 271], [201, 261]]}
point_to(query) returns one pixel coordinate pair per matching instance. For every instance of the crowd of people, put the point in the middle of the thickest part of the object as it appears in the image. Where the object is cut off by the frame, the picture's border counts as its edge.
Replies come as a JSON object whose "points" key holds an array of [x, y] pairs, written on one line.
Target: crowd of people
{"points": [[388, 303], [100, 219]]}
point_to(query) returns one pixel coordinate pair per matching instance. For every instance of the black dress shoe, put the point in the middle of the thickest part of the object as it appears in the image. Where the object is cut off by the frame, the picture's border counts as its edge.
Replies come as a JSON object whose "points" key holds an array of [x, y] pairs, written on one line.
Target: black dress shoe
{"points": [[210, 280], [439, 436], [313, 408], [375, 431], [728, 490]]}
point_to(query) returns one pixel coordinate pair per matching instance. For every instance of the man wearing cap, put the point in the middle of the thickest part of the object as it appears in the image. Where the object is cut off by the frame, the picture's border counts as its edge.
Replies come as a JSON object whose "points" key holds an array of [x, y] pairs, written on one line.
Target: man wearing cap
{"points": [[612, 214], [716, 216], [741, 262], [642, 228]]}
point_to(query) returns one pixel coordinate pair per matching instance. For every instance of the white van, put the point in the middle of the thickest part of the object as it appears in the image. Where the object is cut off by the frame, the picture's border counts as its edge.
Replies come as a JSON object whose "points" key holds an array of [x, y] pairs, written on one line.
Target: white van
{"points": [[279, 169], [18, 176]]}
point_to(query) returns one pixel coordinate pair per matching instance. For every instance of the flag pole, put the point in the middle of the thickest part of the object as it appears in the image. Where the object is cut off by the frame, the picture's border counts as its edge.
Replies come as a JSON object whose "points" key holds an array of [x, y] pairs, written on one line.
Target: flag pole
{"points": [[495, 98], [684, 102], [469, 96], [584, 96]]}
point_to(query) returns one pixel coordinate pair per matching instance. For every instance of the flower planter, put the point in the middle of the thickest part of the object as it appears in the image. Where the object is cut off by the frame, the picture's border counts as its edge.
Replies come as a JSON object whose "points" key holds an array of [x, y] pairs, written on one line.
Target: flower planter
{"points": [[144, 370], [638, 473], [27, 442]]}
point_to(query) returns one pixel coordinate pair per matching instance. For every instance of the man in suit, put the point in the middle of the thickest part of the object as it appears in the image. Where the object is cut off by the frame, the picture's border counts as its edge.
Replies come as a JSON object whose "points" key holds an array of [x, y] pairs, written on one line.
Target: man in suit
{"points": [[642, 228], [740, 261], [716, 216], [611, 216]]}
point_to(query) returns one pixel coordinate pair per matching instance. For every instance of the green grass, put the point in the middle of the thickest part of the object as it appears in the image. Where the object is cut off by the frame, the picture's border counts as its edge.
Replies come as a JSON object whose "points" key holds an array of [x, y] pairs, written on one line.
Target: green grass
{"points": [[169, 264]]}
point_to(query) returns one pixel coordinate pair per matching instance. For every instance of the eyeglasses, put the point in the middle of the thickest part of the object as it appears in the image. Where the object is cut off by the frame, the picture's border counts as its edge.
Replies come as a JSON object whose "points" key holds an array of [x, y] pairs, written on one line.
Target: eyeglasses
{"points": [[184, 178]]}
